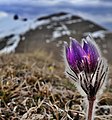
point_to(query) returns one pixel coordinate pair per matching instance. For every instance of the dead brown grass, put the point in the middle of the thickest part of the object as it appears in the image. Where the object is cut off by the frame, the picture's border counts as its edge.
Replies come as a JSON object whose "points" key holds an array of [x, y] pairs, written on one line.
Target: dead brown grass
{"points": [[34, 87]]}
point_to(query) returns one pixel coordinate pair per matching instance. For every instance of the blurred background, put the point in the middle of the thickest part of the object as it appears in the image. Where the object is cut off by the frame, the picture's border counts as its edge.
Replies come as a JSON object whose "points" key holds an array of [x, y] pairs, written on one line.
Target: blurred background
{"points": [[30, 24], [33, 85]]}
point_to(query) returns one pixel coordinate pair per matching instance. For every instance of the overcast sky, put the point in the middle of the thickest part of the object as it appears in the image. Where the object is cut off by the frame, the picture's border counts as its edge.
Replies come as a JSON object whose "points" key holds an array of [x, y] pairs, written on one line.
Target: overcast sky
{"points": [[54, 2], [94, 10]]}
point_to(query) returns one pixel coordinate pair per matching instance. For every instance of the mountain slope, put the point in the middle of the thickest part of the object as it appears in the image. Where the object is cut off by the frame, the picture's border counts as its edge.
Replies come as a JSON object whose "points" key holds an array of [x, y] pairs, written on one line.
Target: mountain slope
{"points": [[57, 28], [49, 32]]}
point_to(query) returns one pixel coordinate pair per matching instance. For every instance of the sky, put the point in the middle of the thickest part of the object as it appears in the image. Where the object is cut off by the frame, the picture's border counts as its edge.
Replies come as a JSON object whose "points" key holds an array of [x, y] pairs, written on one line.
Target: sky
{"points": [[99, 11], [54, 2]]}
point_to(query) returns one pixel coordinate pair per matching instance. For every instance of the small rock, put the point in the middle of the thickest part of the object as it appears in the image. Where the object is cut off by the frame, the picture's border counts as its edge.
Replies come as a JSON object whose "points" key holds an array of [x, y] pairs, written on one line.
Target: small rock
{"points": [[16, 17]]}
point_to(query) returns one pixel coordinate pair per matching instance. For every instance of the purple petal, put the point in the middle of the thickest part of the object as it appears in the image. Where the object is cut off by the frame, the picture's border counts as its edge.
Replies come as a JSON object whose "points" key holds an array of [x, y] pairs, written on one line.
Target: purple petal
{"points": [[75, 55], [92, 52], [70, 57], [67, 52]]}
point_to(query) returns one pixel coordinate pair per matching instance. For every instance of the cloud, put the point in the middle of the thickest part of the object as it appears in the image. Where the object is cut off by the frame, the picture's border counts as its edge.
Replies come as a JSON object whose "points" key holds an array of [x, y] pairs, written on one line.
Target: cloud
{"points": [[57, 2], [97, 18], [94, 10], [29, 2]]}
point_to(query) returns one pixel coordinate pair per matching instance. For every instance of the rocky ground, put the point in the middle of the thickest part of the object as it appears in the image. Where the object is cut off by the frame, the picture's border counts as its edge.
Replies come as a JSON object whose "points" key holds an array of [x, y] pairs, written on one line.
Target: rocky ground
{"points": [[35, 88]]}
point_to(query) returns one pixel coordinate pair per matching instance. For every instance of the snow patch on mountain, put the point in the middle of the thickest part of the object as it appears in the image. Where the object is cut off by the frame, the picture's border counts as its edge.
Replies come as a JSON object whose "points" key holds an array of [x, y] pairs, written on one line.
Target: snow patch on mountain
{"points": [[97, 34]]}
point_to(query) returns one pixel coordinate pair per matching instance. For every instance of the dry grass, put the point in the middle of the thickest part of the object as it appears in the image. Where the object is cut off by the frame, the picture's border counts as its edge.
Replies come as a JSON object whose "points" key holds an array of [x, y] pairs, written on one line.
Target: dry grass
{"points": [[34, 87]]}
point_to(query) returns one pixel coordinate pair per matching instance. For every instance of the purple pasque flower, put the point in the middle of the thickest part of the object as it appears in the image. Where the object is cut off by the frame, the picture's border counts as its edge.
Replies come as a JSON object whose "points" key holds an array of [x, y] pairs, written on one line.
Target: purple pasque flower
{"points": [[82, 58], [86, 66]]}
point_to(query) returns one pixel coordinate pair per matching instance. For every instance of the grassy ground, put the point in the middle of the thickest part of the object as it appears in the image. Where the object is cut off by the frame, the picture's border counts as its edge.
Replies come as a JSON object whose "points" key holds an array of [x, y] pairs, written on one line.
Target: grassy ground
{"points": [[34, 87]]}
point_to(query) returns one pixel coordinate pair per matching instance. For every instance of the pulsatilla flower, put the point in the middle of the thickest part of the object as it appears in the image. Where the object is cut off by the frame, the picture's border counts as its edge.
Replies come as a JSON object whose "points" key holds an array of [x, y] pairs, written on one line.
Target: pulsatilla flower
{"points": [[82, 57], [85, 65]]}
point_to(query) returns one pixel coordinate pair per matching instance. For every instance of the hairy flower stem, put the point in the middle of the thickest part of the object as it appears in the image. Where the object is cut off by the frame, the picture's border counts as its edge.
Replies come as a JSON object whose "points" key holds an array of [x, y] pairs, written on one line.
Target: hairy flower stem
{"points": [[91, 106]]}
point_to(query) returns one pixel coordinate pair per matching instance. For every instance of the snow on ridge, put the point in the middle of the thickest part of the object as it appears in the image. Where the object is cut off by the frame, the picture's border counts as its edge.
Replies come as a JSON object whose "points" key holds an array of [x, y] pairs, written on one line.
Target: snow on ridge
{"points": [[60, 31], [96, 34], [100, 34], [63, 17], [73, 21], [35, 24], [11, 48], [9, 26], [67, 17], [3, 14]]}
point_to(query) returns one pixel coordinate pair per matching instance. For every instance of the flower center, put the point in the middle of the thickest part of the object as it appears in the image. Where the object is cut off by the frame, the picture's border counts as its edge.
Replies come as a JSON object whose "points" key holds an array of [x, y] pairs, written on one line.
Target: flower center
{"points": [[88, 58]]}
